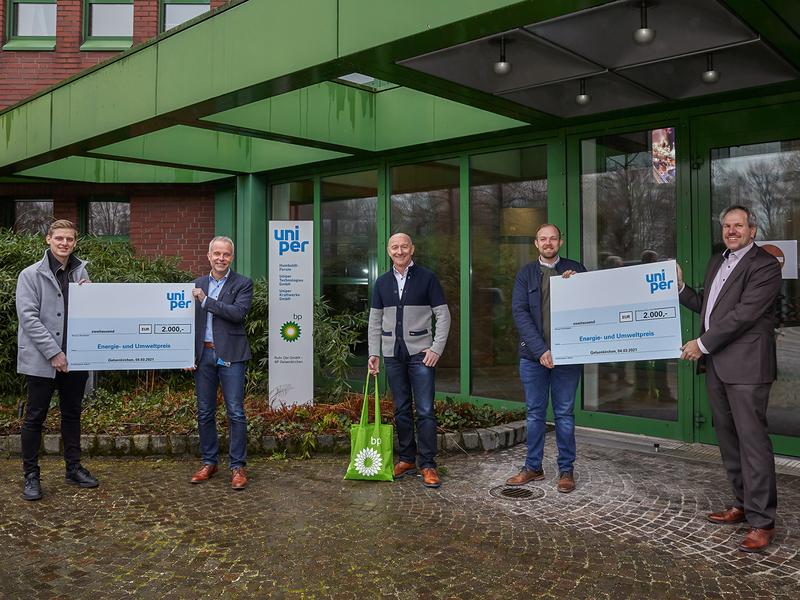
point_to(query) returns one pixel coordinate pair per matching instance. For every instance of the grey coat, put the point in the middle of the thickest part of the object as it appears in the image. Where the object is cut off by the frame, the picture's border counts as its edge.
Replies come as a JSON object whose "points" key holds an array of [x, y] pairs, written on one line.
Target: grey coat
{"points": [[40, 311]]}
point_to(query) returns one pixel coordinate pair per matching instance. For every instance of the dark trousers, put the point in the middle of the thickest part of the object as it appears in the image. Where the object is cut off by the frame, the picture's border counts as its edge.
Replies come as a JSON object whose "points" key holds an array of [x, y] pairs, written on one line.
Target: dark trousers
{"points": [[409, 377], [740, 421], [71, 387]]}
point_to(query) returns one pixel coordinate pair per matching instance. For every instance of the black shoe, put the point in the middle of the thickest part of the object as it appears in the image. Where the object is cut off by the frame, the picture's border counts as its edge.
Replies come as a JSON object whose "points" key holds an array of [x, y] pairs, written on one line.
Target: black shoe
{"points": [[33, 488], [80, 476]]}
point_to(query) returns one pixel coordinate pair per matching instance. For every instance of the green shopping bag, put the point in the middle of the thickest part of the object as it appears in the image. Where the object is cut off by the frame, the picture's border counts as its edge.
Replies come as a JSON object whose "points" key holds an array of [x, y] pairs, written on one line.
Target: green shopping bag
{"points": [[371, 444]]}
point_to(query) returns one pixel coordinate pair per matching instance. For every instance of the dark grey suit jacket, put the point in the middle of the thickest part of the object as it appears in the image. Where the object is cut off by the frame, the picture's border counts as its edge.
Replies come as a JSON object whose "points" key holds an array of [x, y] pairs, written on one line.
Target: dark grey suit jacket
{"points": [[229, 310], [741, 333]]}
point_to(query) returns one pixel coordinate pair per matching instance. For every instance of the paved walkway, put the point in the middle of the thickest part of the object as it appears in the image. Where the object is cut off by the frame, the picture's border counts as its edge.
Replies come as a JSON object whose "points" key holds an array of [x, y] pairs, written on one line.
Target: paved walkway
{"points": [[634, 528]]}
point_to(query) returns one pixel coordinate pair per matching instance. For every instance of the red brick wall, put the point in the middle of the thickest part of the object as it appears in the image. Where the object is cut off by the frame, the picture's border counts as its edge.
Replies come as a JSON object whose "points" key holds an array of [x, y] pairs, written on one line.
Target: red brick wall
{"points": [[174, 226], [66, 208], [23, 73]]}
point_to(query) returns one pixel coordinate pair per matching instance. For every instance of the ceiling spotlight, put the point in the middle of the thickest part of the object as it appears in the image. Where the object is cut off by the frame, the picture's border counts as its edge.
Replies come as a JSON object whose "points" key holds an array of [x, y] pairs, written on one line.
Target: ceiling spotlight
{"points": [[644, 35], [710, 75], [502, 66], [583, 98]]}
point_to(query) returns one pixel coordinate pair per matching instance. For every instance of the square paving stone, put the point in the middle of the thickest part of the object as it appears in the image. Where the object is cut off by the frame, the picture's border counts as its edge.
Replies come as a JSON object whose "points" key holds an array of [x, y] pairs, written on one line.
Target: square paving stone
{"points": [[122, 444], [158, 444], [88, 443], [177, 444]]}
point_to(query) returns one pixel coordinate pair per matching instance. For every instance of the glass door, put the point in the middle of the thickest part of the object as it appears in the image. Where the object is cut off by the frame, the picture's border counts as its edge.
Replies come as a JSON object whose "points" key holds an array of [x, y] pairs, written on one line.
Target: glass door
{"points": [[629, 187], [759, 169]]}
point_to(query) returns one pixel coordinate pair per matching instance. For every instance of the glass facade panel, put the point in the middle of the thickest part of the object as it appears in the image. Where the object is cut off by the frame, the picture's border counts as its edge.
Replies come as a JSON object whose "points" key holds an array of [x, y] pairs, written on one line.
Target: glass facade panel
{"points": [[508, 202], [111, 20], [175, 14], [33, 216], [37, 20], [348, 239], [293, 201], [764, 177], [629, 212], [109, 218], [425, 205]]}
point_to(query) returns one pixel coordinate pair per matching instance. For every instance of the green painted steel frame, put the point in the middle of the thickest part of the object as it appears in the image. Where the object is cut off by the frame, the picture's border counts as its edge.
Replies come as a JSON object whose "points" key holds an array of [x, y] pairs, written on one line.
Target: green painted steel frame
{"points": [[736, 128]]}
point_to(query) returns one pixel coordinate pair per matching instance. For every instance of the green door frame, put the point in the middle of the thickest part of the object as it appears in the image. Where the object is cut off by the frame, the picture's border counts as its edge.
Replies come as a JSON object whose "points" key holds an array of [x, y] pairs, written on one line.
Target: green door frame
{"points": [[739, 128], [680, 429]]}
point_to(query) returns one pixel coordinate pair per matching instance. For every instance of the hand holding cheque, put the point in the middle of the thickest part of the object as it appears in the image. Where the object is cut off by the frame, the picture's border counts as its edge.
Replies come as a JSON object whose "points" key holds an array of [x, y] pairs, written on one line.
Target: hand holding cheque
{"points": [[613, 315]]}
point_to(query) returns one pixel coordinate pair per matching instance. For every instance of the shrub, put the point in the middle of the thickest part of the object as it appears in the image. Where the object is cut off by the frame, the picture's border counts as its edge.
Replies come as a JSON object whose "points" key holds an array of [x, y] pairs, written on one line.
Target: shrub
{"points": [[115, 262]]}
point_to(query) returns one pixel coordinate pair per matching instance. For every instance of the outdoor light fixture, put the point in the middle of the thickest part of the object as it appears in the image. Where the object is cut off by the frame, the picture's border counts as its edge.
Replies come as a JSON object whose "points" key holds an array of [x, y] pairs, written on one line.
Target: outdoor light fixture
{"points": [[710, 75], [644, 35], [502, 66], [583, 98]]}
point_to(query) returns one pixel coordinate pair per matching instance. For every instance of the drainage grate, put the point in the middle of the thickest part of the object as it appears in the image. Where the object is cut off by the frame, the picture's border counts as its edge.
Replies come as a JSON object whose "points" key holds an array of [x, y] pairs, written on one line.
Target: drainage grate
{"points": [[507, 492]]}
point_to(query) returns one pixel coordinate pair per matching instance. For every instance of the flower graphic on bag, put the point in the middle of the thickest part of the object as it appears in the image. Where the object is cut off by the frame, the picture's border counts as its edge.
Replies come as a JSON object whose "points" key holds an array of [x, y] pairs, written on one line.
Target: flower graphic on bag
{"points": [[368, 462]]}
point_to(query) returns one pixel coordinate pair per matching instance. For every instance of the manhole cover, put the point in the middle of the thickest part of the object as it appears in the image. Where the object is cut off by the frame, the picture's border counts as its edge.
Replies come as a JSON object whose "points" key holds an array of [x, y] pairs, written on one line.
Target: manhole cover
{"points": [[507, 492]]}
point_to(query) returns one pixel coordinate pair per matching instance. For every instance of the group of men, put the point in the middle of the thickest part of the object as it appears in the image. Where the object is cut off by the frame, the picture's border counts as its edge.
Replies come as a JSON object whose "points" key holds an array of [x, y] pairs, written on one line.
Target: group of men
{"points": [[409, 322], [222, 300]]}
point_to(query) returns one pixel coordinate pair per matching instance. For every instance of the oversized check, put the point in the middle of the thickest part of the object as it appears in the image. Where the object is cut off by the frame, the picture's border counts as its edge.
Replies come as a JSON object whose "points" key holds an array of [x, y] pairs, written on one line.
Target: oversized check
{"points": [[126, 326], [615, 315]]}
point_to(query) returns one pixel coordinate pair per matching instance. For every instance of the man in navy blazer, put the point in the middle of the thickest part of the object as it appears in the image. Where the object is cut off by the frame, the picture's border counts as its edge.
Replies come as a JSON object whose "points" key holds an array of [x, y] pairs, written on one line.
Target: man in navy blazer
{"points": [[222, 300], [530, 305]]}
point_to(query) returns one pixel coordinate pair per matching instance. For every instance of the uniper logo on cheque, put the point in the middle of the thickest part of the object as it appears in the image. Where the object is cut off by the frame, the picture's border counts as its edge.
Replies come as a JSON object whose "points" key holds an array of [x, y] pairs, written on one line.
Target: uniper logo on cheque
{"points": [[658, 281], [178, 300]]}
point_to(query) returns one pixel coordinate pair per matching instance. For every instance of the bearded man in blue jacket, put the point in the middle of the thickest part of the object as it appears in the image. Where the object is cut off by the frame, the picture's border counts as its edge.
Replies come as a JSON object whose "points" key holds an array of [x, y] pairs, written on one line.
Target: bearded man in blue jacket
{"points": [[530, 304]]}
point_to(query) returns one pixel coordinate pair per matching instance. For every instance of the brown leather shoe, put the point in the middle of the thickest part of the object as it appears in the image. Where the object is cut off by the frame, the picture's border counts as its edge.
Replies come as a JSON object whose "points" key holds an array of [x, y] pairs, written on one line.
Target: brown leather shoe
{"points": [[430, 478], [404, 468], [525, 476], [566, 482], [238, 478], [204, 473], [729, 516], [757, 539]]}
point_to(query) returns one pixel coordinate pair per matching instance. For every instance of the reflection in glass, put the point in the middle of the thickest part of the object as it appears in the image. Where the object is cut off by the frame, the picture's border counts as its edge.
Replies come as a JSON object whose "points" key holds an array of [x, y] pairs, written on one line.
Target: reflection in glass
{"points": [[109, 218], [175, 14], [628, 208], [35, 20], [425, 205], [764, 177], [508, 201], [111, 20], [33, 216], [348, 239], [293, 201]]}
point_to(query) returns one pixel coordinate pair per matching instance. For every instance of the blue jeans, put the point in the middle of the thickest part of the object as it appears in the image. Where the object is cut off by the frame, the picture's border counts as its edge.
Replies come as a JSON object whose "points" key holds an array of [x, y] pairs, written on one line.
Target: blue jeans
{"points": [[208, 376], [408, 375], [560, 383]]}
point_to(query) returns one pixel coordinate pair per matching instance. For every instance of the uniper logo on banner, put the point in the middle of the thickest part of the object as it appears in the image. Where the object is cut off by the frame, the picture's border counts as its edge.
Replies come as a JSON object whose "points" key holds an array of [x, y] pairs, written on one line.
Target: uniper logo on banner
{"points": [[178, 300], [289, 240], [291, 310], [658, 281]]}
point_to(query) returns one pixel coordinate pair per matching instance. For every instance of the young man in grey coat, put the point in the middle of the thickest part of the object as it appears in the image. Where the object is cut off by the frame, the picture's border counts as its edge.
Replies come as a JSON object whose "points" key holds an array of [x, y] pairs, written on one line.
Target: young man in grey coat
{"points": [[42, 304]]}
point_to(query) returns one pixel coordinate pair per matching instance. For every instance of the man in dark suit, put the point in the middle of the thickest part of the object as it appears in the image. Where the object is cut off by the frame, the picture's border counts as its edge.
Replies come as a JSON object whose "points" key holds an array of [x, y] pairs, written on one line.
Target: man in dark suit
{"points": [[222, 300], [736, 348]]}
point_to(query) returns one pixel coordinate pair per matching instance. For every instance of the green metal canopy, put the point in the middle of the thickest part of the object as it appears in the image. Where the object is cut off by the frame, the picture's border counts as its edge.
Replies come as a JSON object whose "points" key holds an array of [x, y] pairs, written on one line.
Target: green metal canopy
{"points": [[261, 85]]}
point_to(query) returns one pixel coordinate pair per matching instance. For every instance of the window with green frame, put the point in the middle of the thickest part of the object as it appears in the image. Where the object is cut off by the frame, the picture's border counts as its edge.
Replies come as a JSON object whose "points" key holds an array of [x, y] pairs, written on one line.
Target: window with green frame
{"points": [[30, 25], [175, 12], [107, 24]]}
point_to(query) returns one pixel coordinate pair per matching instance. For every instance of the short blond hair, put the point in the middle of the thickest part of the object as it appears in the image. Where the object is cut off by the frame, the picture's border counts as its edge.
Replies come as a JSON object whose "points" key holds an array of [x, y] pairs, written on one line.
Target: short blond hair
{"points": [[62, 224]]}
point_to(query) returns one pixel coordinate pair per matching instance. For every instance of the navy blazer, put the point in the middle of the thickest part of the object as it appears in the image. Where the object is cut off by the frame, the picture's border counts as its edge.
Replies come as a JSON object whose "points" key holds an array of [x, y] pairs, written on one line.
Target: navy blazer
{"points": [[229, 310], [526, 306]]}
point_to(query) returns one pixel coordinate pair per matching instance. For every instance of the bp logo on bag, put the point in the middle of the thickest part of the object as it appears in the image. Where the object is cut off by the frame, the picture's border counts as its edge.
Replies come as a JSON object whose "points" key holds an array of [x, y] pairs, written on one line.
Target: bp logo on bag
{"points": [[368, 462]]}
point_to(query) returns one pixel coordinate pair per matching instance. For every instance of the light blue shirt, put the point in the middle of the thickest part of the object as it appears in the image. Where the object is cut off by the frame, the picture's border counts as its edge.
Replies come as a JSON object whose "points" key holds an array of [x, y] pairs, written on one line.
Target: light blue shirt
{"points": [[214, 288]]}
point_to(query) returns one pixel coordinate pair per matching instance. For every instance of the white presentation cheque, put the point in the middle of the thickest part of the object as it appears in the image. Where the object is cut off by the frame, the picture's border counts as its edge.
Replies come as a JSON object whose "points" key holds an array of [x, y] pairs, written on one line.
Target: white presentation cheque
{"points": [[616, 315], [128, 326]]}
